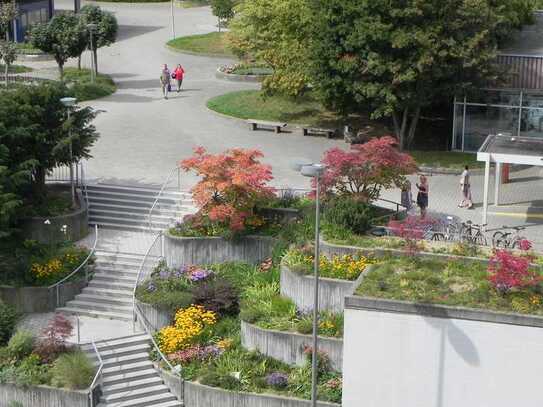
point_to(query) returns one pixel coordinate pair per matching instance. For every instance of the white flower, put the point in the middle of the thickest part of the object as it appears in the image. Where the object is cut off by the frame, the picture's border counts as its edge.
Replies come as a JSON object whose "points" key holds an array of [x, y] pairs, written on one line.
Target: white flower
{"points": [[46, 222], [236, 375]]}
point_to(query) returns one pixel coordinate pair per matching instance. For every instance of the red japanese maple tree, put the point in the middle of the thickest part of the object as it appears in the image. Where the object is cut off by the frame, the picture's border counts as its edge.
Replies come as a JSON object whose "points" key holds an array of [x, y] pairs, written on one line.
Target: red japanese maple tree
{"points": [[508, 271], [231, 185], [366, 169], [412, 230]]}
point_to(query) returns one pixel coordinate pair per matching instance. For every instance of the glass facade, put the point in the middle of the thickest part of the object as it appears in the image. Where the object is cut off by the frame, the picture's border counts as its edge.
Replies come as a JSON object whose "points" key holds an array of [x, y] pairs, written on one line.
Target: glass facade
{"points": [[515, 113]]}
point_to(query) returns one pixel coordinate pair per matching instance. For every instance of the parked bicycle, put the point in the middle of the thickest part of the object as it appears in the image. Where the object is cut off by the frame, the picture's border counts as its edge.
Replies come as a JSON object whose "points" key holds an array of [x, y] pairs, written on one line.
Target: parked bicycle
{"points": [[473, 233], [507, 240], [449, 233]]}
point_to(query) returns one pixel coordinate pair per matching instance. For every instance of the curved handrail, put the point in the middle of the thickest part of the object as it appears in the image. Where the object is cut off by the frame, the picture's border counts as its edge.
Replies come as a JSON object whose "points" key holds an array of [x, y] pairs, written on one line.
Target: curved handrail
{"points": [[97, 375], [140, 271], [168, 179], [83, 264]]}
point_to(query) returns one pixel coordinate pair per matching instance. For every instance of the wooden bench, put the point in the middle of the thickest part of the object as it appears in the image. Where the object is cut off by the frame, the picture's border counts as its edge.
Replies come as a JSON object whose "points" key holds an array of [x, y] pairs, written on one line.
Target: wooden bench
{"points": [[262, 123], [329, 133]]}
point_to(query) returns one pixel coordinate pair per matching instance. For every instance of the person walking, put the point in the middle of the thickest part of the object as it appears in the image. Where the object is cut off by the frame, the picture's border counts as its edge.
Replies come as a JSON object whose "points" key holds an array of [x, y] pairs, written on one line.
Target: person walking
{"points": [[422, 196], [178, 75], [406, 196], [465, 188], [165, 81]]}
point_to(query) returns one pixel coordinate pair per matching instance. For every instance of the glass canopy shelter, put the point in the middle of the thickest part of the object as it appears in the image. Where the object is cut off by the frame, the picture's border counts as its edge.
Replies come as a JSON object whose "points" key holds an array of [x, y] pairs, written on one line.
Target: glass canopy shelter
{"points": [[502, 149], [516, 113]]}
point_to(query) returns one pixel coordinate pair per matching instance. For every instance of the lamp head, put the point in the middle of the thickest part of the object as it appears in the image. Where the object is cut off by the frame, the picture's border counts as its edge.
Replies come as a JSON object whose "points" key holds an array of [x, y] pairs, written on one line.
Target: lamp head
{"points": [[297, 164], [313, 170], [68, 102], [92, 26]]}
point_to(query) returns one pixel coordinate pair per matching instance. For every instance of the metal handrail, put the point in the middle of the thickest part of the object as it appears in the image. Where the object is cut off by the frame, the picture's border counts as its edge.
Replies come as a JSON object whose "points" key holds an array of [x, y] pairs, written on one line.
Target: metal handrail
{"points": [[96, 376], [140, 271], [155, 203], [83, 264]]}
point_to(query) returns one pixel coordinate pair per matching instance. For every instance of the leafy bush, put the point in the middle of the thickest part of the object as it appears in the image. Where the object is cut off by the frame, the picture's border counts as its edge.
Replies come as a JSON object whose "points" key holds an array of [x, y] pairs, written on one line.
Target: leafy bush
{"points": [[263, 303], [217, 295], [223, 381], [349, 213], [21, 344], [508, 271], [8, 320], [72, 370], [53, 338], [32, 372]]}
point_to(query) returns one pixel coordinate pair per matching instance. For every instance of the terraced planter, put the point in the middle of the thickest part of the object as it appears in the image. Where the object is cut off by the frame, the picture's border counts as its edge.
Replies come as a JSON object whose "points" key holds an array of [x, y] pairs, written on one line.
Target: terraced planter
{"points": [[155, 318], [199, 395], [288, 346], [212, 250], [411, 354], [300, 289], [44, 396]]}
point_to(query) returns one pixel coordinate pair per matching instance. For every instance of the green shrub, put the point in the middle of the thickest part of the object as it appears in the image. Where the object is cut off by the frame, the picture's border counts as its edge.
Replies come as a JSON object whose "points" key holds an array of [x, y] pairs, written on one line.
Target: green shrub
{"points": [[349, 213], [73, 370], [8, 320], [166, 300], [226, 381], [21, 344], [31, 371]]}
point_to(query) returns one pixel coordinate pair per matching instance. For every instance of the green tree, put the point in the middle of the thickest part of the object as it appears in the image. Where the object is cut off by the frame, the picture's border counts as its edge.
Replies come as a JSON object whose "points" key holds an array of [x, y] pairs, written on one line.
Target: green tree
{"points": [[63, 37], [35, 132], [223, 10], [106, 28], [278, 33], [8, 12], [8, 54], [395, 57]]}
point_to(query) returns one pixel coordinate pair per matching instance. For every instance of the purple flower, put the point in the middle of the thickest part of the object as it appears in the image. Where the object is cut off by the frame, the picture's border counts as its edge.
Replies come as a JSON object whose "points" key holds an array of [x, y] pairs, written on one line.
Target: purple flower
{"points": [[151, 287], [199, 274], [164, 275], [277, 380]]}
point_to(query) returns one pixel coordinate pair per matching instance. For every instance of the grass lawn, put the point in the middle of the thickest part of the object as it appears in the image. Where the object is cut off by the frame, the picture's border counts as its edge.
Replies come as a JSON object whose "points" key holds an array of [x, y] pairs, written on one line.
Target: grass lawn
{"points": [[15, 69], [455, 283], [446, 159], [193, 3], [84, 89], [213, 43]]}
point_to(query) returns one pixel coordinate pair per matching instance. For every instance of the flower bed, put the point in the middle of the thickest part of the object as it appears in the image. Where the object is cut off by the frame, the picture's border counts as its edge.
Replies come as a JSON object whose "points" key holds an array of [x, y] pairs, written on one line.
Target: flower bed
{"points": [[288, 347], [244, 72]]}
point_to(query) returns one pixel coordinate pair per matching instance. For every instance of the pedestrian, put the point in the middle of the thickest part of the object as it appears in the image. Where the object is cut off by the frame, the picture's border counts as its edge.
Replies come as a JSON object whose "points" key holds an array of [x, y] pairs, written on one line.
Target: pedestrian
{"points": [[406, 196], [178, 76], [165, 81], [422, 196], [465, 188]]}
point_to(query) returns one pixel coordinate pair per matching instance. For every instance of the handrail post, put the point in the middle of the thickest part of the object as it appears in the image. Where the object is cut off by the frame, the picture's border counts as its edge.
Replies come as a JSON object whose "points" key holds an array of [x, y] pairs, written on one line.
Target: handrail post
{"points": [[162, 254], [58, 295], [179, 178]]}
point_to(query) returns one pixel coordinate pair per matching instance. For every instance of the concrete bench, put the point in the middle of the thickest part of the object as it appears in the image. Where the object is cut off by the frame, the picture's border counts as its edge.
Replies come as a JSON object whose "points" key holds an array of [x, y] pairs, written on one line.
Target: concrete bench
{"points": [[329, 133], [277, 126]]}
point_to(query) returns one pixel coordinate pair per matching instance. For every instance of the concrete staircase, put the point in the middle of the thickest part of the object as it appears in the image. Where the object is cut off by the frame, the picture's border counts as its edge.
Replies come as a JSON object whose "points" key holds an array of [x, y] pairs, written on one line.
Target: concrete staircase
{"points": [[128, 375], [109, 293], [127, 208]]}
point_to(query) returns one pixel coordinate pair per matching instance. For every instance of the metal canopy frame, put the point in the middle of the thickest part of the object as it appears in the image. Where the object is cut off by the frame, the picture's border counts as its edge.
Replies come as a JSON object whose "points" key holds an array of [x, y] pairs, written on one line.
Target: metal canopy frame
{"points": [[494, 150]]}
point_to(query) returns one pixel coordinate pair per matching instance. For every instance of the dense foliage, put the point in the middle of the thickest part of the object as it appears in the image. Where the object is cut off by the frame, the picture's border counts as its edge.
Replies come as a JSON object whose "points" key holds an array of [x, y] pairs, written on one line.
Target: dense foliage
{"points": [[105, 33], [8, 320], [223, 10]]}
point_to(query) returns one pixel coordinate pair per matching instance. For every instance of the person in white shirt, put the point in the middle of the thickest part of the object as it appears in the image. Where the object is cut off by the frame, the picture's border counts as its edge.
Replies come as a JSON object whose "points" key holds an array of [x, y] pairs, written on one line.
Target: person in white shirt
{"points": [[465, 187]]}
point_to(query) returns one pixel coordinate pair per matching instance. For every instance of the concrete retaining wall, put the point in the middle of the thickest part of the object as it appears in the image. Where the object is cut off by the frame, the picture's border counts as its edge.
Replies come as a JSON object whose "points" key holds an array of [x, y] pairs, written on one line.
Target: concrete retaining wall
{"points": [[42, 396], [173, 382], [156, 318], [198, 395], [40, 299], [212, 250], [288, 346], [300, 289], [77, 224]]}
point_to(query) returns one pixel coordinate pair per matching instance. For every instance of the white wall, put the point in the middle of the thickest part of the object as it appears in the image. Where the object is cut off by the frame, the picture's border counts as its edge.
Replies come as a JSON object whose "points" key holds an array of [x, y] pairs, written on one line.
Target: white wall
{"points": [[403, 360]]}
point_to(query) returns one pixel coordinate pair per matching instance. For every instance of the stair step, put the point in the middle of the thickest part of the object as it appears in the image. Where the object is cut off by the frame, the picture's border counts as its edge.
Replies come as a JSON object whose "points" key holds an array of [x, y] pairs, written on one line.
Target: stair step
{"points": [[144, 400], [172, 403], [126, 359], [122, 256], [107, 293], [120, 226], [124, 221], [123, 351], [111, 301], [125, 273], [95, 306], [141, 190], [127, 368], [95, 313], [143, 217], [162, 209], [116, 265], [136, 393], [117, 277], [131, 195], [130, 385], [132, 376], [115, 343], [109, 285]]}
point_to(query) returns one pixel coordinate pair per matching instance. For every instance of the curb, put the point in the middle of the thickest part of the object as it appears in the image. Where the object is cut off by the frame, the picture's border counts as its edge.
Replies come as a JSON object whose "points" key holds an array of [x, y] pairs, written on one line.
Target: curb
{"points": [[239, 78], [198, 54]]}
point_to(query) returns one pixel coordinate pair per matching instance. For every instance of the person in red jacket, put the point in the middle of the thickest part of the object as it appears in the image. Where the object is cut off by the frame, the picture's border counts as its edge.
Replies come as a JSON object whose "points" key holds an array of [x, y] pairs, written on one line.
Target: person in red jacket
{"points": [[178, 76]]}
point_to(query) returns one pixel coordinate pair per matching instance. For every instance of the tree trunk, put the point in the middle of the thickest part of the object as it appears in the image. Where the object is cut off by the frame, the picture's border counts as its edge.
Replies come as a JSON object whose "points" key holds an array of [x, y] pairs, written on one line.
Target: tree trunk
{"points": [[95, 52], [6, 69], [38, 186], [219, 20], [399, 128], [79, 62], [413, 127], [61, 71]]}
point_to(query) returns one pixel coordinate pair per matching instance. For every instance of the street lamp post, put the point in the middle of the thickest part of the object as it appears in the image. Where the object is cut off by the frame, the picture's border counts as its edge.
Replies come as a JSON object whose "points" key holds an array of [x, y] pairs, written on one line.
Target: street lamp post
{"points": [[92, 27], [173, 20], [69, 102], [315, 171]]}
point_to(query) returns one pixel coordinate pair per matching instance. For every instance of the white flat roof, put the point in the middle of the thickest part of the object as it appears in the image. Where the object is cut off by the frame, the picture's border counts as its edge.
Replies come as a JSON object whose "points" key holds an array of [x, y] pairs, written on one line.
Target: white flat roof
{"points": [[512, 150]]}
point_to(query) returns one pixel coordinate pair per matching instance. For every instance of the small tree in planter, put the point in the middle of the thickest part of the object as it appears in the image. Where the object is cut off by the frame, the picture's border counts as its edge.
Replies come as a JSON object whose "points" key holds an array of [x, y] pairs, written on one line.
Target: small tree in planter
{"points": [[412, 230], [508, 272], [366, 170], [223, 10], [232, 185]]}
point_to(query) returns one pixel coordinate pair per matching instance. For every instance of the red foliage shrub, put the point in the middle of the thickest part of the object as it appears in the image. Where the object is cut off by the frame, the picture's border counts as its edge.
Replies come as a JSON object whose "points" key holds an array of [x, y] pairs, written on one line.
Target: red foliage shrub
{"points": [[507, 271], [412, 230], [53, 339], [231, 185], [366, 169]]}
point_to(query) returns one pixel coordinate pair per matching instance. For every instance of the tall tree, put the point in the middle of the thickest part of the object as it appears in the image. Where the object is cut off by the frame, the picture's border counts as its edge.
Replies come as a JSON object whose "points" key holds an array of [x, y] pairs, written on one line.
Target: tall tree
{"points": [[278, 33], [106, 28], [397, 56], [8, 54], [223, 10], [34, 130], [63, 37], [8, 12]]}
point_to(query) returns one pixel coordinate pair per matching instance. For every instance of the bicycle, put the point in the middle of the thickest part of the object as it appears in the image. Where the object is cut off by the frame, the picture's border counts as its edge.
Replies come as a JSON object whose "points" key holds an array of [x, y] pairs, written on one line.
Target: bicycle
{"points": [[472, 233], [450, 233], [508, 239]]}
